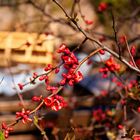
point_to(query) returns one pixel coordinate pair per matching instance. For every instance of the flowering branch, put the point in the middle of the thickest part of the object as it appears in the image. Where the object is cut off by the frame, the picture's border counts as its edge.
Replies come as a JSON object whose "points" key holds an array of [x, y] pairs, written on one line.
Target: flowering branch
{"points": [[97, 42], [72, 65]]}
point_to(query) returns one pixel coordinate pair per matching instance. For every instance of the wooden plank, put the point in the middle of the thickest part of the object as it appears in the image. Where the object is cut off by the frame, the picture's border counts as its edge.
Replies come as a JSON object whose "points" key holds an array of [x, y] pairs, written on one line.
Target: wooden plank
{"points": [[20, 127], [81, 117], [12, 48], [22, 137], [13, 106]]}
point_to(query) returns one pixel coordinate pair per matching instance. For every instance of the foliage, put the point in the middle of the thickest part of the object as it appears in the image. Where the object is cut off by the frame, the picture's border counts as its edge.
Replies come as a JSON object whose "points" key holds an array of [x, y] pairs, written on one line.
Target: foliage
{"points": [[2, 136]]}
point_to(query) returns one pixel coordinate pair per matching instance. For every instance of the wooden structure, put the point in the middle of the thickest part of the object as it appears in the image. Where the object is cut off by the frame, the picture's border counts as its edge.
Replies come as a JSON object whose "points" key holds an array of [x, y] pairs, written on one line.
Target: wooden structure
{"points": [[29, 48], [20, 47]]}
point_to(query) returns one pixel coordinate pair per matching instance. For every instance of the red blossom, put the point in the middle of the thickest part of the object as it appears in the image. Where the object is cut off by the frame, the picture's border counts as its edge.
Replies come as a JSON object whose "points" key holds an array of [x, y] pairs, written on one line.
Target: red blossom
{"points": [[43, 77], [89, 62], [70, 63], [35, 75], [104, 93], [67, 51], [136, 137], [133, 50], [71, 78], [78, 77], [4, 126], [123, 101], [110, 65], [62, 82], [120, 126], [138, 62], [48, 101], [6, 129], [24, 115], [102, 6], [20, 86], [118, 83], [102, 52], [131, 63], [138, 109], [99, 115], [36, 98], [101, 39], [89, 22], [71, 82], [122, 39], [61, 48], [49, 67], [55, 103], [51, 88], [57, 70]]}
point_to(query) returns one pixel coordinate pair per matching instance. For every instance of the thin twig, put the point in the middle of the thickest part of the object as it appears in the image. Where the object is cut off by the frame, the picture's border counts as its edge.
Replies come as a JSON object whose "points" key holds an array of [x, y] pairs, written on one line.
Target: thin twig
{"points": [[60, 20], [125, 113], [73, 8], [86, 58], [37, 108], [131, 57], [33, 111], [96, 41], [40, 129], [13, 81], [2, 80], [80, 45], [115, 34]]}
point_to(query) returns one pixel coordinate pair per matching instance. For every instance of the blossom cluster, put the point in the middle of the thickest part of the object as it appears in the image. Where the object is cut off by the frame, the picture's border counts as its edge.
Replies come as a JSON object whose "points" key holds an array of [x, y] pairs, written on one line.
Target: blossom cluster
{"points": [[6, 129], [24, 115], [110, 65], [70, 64], [55, 102]]}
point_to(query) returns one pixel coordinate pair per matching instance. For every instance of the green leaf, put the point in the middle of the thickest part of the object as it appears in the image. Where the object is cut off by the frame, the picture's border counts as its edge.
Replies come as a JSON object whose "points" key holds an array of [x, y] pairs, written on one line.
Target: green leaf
{"points": [[2, 136]]}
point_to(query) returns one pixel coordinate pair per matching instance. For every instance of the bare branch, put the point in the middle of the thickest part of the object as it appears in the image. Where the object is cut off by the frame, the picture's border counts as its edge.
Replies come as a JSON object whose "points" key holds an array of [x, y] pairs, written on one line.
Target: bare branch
{"points": [[2, 80], [96, 41], [115, 34]]}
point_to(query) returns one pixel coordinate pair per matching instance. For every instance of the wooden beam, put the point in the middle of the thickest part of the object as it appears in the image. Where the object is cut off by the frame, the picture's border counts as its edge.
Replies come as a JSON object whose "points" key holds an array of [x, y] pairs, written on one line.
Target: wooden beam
{"points": [[13, 106], [13, 48]]}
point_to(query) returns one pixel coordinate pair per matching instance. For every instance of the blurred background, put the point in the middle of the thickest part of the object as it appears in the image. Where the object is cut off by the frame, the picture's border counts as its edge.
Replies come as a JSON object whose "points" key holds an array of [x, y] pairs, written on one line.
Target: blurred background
{"points": [[30, 33]]}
